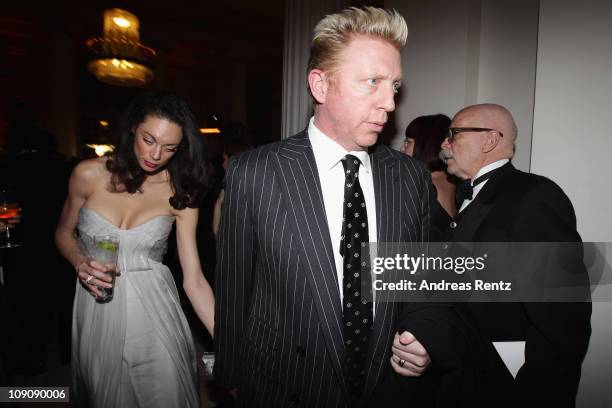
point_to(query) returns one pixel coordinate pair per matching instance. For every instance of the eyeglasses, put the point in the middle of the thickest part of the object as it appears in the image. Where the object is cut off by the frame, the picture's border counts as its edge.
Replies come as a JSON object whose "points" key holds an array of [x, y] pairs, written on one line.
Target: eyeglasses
{"points": [[453, 132]]}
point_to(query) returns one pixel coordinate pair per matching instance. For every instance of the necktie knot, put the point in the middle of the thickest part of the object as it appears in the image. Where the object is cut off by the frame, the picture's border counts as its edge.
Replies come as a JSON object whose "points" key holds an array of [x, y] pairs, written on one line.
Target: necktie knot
{"points": [[351, 166]]}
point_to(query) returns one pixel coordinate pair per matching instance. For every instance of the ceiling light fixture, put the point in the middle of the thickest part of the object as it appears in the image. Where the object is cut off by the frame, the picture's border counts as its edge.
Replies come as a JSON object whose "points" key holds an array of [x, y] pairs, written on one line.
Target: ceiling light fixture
{"points": [[118, 57]]}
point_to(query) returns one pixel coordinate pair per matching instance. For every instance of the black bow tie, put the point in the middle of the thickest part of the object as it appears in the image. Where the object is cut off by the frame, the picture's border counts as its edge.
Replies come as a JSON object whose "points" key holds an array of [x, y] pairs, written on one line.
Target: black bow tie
{"points": [[465, 190]]}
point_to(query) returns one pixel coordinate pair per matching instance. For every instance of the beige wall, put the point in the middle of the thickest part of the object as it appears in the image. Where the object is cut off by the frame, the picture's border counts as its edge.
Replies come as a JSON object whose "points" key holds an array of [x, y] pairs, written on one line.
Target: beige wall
{"points": [[469, 51], [572, 141]]}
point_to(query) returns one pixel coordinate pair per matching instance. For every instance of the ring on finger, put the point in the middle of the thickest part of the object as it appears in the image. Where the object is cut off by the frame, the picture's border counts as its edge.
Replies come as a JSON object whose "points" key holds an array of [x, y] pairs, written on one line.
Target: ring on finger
{"points": [[89, 278], [402, 362]]}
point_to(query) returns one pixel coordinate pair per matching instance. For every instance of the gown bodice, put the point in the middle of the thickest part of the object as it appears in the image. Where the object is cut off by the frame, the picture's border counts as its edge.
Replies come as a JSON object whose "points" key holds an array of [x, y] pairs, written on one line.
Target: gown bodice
{"points": [[138, 246]]}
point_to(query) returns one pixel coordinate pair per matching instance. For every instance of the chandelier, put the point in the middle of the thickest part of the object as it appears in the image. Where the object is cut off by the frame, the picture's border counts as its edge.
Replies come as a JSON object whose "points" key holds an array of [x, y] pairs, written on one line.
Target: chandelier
{"points": [[118, 57]]}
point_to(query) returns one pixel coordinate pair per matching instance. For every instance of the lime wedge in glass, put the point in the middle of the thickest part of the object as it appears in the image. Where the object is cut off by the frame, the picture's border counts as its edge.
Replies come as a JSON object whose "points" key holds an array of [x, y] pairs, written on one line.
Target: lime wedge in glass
{"points": [[109, 246]]}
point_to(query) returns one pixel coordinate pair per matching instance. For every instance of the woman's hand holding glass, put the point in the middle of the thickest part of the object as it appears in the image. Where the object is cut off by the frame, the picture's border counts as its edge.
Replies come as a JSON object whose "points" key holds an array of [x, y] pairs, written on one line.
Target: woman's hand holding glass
{"points": [[93, 275]]}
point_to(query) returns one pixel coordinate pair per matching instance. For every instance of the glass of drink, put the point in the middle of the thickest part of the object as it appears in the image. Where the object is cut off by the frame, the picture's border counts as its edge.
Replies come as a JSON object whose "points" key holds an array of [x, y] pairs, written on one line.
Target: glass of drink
{"points": [[9, 209], [106, 249], [209, 363]]}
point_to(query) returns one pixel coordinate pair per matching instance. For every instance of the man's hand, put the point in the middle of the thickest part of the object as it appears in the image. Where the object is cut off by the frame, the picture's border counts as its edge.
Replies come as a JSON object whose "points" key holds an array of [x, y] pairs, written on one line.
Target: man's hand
{"points": [[409, 358]]}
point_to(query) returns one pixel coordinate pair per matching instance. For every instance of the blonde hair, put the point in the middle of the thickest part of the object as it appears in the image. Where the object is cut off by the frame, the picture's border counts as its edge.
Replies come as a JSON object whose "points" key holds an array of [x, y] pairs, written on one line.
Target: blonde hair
{"points": [[334, 32]]}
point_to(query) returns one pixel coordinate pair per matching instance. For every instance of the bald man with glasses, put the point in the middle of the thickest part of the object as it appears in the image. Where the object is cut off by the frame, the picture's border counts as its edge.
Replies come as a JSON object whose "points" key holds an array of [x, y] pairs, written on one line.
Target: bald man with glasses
{"points": [[503, 204]]}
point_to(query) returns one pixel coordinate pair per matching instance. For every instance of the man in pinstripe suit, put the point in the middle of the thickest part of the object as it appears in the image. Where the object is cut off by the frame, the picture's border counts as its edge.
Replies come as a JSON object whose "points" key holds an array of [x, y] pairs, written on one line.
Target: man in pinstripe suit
{"points": [[280, 326]]}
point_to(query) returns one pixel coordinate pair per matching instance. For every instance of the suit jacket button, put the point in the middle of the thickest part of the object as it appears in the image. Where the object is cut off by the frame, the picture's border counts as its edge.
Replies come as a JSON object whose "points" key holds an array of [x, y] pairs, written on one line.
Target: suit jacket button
{"points": [[301, 351], [294, 400], [453, 224]]}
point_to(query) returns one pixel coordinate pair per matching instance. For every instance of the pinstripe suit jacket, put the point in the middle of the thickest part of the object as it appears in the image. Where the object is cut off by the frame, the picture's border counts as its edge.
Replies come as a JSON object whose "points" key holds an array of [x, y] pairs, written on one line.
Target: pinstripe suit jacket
{"points": [[278, 320]]}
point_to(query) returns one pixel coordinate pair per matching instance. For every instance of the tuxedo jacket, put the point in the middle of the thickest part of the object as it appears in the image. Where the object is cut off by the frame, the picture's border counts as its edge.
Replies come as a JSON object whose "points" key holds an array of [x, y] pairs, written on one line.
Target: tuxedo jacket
{"points": [[278, 315], [514, 206]]}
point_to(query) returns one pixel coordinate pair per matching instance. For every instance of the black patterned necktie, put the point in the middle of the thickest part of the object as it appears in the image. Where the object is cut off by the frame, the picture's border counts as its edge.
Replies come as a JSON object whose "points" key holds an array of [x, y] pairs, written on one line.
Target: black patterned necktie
{"points": [[356, 312]]}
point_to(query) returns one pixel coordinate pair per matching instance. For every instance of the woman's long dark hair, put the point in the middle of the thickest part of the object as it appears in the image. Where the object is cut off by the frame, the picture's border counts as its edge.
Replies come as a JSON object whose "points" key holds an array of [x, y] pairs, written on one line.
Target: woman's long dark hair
{"points": [[186, 168], [428, 133]]}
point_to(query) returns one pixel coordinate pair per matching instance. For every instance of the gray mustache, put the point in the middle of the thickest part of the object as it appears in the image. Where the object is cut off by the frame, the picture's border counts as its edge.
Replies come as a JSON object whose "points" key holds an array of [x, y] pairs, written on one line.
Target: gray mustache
{"points": [[444, 155]]}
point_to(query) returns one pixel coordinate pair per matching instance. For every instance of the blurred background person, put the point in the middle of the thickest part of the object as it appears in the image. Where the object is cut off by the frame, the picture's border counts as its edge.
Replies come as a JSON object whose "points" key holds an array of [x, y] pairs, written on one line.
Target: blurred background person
{"points": [[230, 149], [424, 135], [36, 312]]}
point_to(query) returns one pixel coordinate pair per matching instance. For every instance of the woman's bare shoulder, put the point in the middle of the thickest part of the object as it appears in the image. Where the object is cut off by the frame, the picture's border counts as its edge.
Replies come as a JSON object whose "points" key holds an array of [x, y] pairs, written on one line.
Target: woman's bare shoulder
{"points": [[91, 170], [89, 176]]}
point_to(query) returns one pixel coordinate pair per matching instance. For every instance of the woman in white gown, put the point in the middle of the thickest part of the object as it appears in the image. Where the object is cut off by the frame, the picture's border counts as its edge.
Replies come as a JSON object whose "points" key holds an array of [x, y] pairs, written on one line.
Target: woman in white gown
{"points": [[137, 350]]}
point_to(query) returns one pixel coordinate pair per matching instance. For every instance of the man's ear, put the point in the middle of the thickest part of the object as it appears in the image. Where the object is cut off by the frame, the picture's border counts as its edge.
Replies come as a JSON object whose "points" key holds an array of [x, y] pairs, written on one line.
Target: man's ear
{"points": [[317, 81], [491, 140]]}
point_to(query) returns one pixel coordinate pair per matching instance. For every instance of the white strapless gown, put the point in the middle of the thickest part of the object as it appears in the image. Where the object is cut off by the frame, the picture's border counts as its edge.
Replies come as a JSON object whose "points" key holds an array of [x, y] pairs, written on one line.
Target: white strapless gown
{"points": [[137, 349]]}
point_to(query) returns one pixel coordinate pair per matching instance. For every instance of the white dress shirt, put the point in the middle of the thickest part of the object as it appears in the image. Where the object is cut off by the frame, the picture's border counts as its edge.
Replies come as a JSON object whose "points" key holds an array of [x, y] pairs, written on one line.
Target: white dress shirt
{"points": [[327, 155], [485, 169]]}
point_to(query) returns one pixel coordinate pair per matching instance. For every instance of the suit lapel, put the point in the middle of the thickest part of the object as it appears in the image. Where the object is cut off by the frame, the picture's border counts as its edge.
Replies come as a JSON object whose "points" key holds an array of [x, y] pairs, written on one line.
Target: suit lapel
{"points": [[301, 188], [470, 219], [385, 180]]}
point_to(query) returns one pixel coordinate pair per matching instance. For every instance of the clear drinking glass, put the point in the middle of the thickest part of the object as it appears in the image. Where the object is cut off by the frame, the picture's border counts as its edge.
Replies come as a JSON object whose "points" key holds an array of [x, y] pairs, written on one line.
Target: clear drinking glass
{"points": [[209, 363], [106, 249], [9, 208]]}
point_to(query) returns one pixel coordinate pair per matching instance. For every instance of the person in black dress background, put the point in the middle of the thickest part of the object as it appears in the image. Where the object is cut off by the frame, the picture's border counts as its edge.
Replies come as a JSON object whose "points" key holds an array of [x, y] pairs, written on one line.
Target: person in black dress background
{"points": [[424, 135]]}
